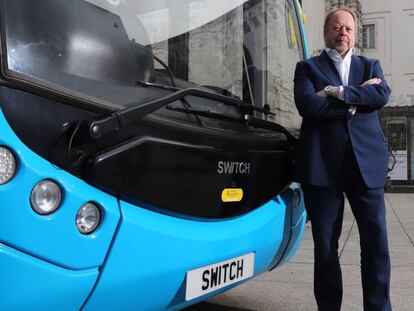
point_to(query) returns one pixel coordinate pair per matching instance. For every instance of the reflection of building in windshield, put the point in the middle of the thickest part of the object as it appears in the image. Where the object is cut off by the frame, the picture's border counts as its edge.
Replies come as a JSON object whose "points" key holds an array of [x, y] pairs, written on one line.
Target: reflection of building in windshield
{"points": [[167, 19], [216, 51], [283, 57], [260, 31], [206, 42]]}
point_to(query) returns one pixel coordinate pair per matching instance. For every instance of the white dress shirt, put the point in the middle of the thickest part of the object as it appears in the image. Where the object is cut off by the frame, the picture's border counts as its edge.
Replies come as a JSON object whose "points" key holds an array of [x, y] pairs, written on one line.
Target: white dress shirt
{"points": [[343, 66]]}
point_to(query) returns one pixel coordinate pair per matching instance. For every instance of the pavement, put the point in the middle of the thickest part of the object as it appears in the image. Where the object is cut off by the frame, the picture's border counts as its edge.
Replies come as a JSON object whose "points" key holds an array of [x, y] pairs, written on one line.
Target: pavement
{"points": [[290, 288]]}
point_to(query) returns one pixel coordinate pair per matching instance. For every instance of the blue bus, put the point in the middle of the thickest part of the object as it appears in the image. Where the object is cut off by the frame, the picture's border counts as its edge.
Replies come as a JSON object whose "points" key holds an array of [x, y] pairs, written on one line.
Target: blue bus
{"points": [[146, 150]]}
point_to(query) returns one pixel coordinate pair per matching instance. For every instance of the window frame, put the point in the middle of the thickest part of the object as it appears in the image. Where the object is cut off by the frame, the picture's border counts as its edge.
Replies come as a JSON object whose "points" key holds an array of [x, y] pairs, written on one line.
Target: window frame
{"points": [[373, 33]]}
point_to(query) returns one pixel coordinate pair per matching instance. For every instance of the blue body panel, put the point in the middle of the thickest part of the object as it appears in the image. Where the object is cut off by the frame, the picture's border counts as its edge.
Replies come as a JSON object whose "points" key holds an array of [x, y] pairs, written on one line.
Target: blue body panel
{"points": [[27, 283], [53, 238], [297, 228], [157, 251], [296, 234]]}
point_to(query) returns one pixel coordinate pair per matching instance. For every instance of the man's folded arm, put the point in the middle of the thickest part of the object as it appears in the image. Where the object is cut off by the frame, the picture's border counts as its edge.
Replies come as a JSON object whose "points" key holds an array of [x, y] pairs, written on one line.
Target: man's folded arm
{"points": [[369, 96], [311, 105]]}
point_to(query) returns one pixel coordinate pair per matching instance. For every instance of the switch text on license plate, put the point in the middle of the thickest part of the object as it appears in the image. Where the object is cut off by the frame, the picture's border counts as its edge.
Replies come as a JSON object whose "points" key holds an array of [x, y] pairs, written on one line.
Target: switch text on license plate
{"points": [[204, 280]]}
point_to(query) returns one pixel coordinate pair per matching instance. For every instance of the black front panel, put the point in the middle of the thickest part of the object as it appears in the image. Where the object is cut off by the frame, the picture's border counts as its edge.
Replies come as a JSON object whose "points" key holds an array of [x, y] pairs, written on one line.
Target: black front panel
{"points": [[159, 165], [190, 179]]}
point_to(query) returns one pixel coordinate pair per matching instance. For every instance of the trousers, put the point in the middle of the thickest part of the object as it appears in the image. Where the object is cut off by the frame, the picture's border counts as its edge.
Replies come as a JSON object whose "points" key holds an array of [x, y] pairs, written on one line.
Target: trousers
{"points": [[325, 208]]}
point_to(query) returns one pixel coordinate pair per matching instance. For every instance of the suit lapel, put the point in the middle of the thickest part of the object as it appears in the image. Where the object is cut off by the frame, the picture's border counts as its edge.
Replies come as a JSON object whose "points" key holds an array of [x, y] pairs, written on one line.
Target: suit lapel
{"points": [[356, 71], [327, 67]]}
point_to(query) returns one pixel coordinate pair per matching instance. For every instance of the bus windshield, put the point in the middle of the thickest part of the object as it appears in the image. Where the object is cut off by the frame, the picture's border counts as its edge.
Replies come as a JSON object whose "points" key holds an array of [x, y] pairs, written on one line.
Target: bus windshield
{"points": [[104, 51]]}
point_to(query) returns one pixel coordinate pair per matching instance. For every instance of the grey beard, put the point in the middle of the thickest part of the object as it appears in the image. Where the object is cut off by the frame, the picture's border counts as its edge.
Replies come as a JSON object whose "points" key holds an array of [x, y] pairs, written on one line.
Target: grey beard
{"points": [[341, 50]]}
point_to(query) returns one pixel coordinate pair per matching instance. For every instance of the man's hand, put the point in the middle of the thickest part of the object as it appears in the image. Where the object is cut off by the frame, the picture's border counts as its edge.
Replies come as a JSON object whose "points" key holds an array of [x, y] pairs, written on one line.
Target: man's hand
{"points": [[335, 92], [321, 93], [372, 81]]}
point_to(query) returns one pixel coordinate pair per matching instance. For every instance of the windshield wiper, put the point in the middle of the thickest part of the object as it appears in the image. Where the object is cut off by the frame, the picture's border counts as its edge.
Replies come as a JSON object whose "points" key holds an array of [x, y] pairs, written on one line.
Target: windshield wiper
{"points": [[245, 119], [135, 112], [89, 130], [157, 85], [166, 67], [80, 134], [208, 113], [174, 88], [94, 129], [242, 105]]}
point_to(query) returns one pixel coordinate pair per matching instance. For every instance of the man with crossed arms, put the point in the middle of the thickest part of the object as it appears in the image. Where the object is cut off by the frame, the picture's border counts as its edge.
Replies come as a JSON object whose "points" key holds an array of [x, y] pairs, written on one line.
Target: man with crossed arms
{"points": [[341, 150]]}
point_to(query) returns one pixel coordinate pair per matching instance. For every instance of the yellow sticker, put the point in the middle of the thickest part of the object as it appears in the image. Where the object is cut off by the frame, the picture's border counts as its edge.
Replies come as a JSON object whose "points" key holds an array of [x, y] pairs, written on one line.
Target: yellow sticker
{"points": [[232, 195]]}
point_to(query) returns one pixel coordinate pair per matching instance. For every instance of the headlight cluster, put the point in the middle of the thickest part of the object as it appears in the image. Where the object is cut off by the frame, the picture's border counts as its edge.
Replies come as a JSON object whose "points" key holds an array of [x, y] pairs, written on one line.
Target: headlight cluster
{"points": [[46, 196]]}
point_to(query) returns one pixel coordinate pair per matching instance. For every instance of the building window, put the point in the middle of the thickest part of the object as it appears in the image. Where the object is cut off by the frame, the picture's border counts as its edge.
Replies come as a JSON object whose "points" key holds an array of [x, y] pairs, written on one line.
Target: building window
{"points": [[368, 32], [397, 136]]}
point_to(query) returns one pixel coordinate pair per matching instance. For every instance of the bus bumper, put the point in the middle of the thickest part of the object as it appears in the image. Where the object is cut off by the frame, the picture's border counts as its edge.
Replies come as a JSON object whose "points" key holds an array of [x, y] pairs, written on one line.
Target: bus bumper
{"points": [[147, 266]]}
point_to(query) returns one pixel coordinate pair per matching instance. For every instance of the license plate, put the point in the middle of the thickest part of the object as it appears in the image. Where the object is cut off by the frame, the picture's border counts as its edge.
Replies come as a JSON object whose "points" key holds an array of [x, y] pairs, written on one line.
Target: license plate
{"points": [[204, 280]]}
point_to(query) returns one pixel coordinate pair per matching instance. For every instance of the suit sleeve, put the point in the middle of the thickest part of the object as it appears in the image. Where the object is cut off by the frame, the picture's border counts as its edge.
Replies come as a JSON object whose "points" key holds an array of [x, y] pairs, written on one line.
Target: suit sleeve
{"points": [[311, 105], [371, 96]]}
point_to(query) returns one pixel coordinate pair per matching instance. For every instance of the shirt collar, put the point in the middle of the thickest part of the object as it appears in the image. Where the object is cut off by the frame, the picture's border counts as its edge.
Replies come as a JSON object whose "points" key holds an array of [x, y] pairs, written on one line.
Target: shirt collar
{"points": [[335, 56]]}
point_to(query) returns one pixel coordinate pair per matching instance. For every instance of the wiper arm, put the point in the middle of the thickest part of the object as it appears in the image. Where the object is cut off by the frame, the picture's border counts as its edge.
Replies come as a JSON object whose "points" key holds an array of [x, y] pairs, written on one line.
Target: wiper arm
{"points": [[245, 119], [159, 60], [94, 129], [83, 132], [242, 105]]}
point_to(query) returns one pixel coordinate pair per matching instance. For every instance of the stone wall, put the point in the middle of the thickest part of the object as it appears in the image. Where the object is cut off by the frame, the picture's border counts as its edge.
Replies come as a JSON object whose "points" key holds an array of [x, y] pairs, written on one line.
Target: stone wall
{"points": [[218, 47]]}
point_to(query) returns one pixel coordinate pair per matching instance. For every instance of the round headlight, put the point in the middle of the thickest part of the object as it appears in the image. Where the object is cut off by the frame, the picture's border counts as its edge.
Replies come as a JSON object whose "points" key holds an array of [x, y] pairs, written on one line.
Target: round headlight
{"points": [[46, 197], [7, 165], [88, 218]]}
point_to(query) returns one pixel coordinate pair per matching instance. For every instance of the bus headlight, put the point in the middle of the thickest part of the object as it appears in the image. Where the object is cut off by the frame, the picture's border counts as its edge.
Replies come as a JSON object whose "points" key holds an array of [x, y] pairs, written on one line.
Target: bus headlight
{"points": [[88, 218], [7, 165], [46, 197]]}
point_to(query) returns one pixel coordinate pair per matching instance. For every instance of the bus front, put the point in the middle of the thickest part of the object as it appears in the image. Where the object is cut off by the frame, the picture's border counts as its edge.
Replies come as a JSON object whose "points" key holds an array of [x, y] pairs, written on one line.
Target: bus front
{"points": [[146, 150]]}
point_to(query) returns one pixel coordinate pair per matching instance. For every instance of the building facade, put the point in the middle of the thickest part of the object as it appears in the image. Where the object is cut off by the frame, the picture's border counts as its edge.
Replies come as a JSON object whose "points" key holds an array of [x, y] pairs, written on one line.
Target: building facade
{"points": [[384, 32], [387, 36]]}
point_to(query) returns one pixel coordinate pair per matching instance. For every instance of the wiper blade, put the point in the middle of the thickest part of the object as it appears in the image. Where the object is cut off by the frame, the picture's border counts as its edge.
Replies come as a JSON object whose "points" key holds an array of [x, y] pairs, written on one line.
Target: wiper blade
{"points": [[264, 124], [80, 134], [169, 88], [94, 129], [241, 104], [245, 119], [157, 85], [208, 113]]}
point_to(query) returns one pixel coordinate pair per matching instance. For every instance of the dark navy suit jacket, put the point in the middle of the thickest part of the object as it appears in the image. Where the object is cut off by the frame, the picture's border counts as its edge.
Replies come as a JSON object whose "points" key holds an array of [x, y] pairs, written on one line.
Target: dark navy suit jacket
{"points": [[327, 125]]}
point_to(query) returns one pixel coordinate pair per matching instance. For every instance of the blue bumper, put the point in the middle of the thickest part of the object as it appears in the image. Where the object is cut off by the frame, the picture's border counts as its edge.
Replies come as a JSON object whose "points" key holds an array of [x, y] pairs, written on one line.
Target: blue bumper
{"points": [[152, 253]]}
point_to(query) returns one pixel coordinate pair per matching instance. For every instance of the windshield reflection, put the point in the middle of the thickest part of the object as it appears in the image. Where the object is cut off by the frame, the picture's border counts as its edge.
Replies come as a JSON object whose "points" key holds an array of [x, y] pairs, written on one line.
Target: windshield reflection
{"points": [[244, 49]]}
